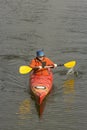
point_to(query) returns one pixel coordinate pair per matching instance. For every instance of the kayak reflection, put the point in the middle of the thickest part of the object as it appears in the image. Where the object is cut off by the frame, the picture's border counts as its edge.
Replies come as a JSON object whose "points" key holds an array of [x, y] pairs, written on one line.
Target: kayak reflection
{"points": [[40, 108]]}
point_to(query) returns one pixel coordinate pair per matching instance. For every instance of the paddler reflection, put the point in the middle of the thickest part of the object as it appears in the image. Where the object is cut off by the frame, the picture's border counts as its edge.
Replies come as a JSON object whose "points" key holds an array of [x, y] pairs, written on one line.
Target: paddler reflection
{"points": [[69, 90]]}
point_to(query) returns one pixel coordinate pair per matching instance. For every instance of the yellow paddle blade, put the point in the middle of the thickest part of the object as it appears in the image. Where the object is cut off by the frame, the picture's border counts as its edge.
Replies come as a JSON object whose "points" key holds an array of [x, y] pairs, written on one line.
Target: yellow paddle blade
{"points": [[70, 64], [24, 69]]}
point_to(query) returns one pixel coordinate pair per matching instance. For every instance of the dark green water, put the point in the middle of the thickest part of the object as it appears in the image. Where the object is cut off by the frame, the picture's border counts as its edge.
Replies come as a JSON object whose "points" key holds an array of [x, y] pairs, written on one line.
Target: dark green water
{"points": [[60, 28]]}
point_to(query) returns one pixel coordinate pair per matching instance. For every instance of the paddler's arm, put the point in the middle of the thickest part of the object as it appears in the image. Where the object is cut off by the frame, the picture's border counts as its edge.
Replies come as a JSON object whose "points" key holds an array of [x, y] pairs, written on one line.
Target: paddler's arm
{"points": [[51, 66], [33, 65], [37, 67], [49, 63]]}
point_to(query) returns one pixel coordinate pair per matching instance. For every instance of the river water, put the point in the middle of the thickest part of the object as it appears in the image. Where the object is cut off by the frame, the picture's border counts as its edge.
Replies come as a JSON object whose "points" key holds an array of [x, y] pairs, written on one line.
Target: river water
{"points": [[60, 28]]}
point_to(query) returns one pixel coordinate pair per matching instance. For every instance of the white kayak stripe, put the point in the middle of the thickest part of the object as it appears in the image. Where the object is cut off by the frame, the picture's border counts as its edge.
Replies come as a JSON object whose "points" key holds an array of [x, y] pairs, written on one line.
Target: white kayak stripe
{"points": [[40, 87]]}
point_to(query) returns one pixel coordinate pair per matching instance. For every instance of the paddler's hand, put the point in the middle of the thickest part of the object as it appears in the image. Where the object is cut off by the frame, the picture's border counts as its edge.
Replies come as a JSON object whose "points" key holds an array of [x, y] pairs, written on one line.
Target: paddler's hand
{"points": [[55, 65], [39, 67]]}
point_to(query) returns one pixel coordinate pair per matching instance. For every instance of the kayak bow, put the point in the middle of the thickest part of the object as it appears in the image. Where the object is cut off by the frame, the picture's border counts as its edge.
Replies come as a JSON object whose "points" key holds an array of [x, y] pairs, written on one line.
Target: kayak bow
{"points": [[41, 86]]}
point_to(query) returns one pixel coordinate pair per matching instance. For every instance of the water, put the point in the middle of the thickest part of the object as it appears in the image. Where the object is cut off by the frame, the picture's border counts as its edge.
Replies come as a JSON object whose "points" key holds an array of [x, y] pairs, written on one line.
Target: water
{"points": [[60, 28]]}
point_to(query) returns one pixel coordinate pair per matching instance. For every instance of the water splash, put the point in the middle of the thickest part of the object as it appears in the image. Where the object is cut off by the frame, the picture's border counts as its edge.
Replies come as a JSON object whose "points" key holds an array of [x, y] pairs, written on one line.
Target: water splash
{"points": [[72, 71]]}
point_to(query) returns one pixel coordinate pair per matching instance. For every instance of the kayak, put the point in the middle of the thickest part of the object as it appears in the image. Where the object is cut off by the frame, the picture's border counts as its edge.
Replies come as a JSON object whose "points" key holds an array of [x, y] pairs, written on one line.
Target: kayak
{"points": [[41, 85]]}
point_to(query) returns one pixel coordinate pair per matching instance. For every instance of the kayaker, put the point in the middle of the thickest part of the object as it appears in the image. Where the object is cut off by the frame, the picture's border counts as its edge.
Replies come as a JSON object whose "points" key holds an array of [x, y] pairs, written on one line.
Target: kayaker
{"points": [[41, 64]]}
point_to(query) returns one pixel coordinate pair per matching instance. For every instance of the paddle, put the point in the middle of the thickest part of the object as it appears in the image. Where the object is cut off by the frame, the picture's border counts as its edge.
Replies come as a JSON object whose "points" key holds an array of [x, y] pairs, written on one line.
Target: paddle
{"points": [[27, 69]]}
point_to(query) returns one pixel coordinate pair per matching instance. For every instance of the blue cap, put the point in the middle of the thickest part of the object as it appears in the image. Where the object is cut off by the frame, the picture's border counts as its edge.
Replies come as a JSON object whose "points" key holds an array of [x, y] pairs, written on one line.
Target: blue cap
{"points": [[40, 53]]}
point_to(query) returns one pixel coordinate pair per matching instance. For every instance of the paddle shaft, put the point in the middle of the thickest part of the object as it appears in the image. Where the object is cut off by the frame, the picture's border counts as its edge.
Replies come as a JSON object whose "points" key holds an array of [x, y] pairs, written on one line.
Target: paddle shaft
{"points": [[53, 67]]}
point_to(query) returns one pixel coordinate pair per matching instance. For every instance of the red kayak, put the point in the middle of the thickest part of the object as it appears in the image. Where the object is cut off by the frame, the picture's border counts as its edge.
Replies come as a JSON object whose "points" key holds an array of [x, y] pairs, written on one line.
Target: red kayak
{"points": [[41, 85]]}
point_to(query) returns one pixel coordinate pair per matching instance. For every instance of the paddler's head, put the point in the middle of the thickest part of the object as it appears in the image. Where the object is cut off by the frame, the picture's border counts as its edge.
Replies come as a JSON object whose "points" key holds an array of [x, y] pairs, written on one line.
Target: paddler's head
{"points": [[40, 54]]}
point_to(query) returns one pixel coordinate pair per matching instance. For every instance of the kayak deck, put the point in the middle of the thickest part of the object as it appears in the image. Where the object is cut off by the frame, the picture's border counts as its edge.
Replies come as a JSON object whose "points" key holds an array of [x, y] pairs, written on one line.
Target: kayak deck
{"points": [[41, 86]]}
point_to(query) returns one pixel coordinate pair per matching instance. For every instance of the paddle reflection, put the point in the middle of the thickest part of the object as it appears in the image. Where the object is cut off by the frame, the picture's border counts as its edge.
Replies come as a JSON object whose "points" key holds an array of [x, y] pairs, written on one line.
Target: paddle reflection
{"points": [[69, 90], [69, 86], [24, 110]]}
